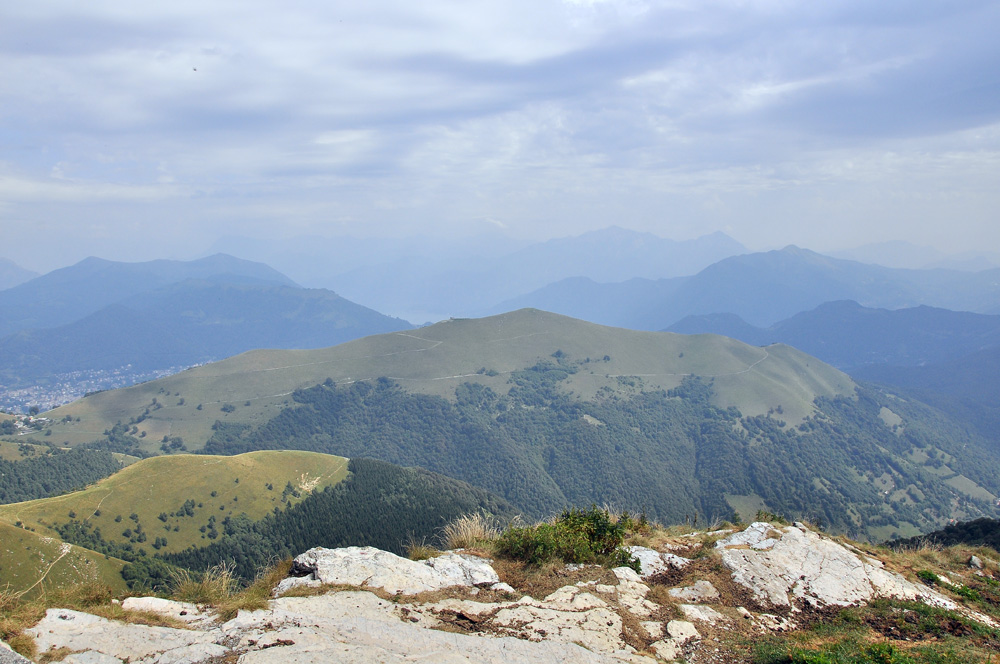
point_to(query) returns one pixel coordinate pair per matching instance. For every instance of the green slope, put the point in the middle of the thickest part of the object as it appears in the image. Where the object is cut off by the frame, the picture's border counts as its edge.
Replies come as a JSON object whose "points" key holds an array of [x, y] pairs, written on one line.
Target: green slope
{"points": [[31, 563], [162, 485], [434, 360]]}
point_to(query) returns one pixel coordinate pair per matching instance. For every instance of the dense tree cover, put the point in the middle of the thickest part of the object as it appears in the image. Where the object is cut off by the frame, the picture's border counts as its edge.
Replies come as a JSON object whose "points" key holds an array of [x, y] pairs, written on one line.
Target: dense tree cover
{"points": [[379, 505], [671, 454], [979, 532], [53, 474]]}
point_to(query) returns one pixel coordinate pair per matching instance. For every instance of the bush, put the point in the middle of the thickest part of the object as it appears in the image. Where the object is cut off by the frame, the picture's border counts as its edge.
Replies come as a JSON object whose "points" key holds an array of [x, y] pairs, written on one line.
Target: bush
{"points": [[927, 576], [576, 536]]}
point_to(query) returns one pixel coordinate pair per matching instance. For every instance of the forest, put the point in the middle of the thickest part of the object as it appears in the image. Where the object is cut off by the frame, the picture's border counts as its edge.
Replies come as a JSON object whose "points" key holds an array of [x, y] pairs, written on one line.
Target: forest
{"points": [[671, 454], [54, 473]]}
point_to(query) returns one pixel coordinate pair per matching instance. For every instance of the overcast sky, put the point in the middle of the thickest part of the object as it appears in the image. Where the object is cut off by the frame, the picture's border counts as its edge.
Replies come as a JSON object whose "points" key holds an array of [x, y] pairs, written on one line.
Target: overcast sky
{"points": [[134, 130]]}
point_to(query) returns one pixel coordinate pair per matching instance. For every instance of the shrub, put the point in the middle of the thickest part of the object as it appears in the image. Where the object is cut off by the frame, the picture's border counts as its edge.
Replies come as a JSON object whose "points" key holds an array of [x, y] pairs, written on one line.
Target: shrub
{"points": [[927, 576], [576, 536]]}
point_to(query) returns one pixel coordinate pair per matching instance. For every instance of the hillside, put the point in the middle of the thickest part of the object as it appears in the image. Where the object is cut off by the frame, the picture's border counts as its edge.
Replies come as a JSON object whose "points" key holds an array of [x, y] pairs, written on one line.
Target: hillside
{"points": [[967, 387], [35, 564], [186, 323], [196, 512], [548, 411], [173, 497], [763, 288], [255, 386]]}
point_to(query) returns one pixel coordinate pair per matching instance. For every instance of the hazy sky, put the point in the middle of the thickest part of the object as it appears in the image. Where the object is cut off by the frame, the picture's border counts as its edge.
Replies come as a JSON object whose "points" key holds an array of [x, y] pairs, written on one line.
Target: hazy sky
{"points": [[134, 130]]}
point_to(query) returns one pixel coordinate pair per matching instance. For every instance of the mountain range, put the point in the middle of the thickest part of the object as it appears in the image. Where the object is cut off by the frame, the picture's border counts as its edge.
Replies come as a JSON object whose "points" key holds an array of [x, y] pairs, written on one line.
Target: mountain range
{"points": [[762, 289], [100, 315], [849, 336], [420, 280], [70, 293]]}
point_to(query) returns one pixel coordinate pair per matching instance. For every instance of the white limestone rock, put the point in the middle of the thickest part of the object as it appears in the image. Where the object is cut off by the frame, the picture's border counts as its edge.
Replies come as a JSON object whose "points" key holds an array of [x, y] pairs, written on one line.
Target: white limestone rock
{"points": [[653, 562], [91, 657], [656, 630], [598, 629], [631, 593], [368, 566], [8, 656], [667, 649], [463, 569], [782, 565], [182, 611], [700, 592], [682, 631], [702, 613], [63, 628], [356, 627]]}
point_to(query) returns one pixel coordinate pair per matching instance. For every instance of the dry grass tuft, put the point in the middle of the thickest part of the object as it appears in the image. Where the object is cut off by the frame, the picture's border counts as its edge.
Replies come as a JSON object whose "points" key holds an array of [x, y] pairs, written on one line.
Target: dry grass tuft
{"points": [[54, 655], [470, 530], [216, 585], [420, 550], [255, 596]]}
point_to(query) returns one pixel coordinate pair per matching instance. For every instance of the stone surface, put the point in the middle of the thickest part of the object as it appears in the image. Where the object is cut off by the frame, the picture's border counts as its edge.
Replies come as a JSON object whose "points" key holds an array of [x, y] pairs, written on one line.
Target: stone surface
{"points": [[682, 631], [62, 628], [91, 657], [703, 613], [700, 592], [8, 656], [653, 562], [368, 566], [783, 565], [359, 627], [183, 611], [631, 593]]}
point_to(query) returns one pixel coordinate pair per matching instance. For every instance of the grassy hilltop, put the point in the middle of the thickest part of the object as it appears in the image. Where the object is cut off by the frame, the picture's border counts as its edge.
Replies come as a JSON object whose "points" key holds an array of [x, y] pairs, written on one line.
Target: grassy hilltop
{"points": [[188, 491], [255, 386]]}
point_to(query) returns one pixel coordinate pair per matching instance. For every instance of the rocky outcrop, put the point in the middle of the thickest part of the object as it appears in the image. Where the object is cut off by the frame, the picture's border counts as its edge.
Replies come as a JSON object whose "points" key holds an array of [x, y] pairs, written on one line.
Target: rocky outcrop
{"points": [[368, 605], [368, 566], [787, 565]]}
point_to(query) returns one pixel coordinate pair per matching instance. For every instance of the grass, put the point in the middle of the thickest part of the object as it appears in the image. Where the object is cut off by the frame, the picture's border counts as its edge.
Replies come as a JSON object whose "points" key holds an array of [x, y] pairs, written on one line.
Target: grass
{"points": [[219, 589], [435, 359], [218, 487], [469, 530], [34, 565], [420, 550]]}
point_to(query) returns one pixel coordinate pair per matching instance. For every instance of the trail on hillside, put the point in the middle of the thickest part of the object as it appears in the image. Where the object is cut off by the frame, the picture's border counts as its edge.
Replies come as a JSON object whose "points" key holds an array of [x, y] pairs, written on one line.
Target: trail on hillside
{"points": [[64, 549]]}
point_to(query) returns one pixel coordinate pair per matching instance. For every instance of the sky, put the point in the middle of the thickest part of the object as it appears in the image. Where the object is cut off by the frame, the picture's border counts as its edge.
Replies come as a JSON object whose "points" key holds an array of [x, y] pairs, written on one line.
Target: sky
{"points": [[147, 130]]}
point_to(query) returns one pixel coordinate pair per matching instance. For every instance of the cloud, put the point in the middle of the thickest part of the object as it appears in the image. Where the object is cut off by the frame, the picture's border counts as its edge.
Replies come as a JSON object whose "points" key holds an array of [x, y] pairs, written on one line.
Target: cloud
{"points": [[554, 117]]}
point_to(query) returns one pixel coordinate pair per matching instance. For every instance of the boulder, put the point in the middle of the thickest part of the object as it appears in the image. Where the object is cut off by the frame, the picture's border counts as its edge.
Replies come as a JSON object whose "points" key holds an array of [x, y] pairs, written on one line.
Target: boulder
{"points": [[702, 613], [700, 592], [374, 568], [653, 562], [783, 565]]}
